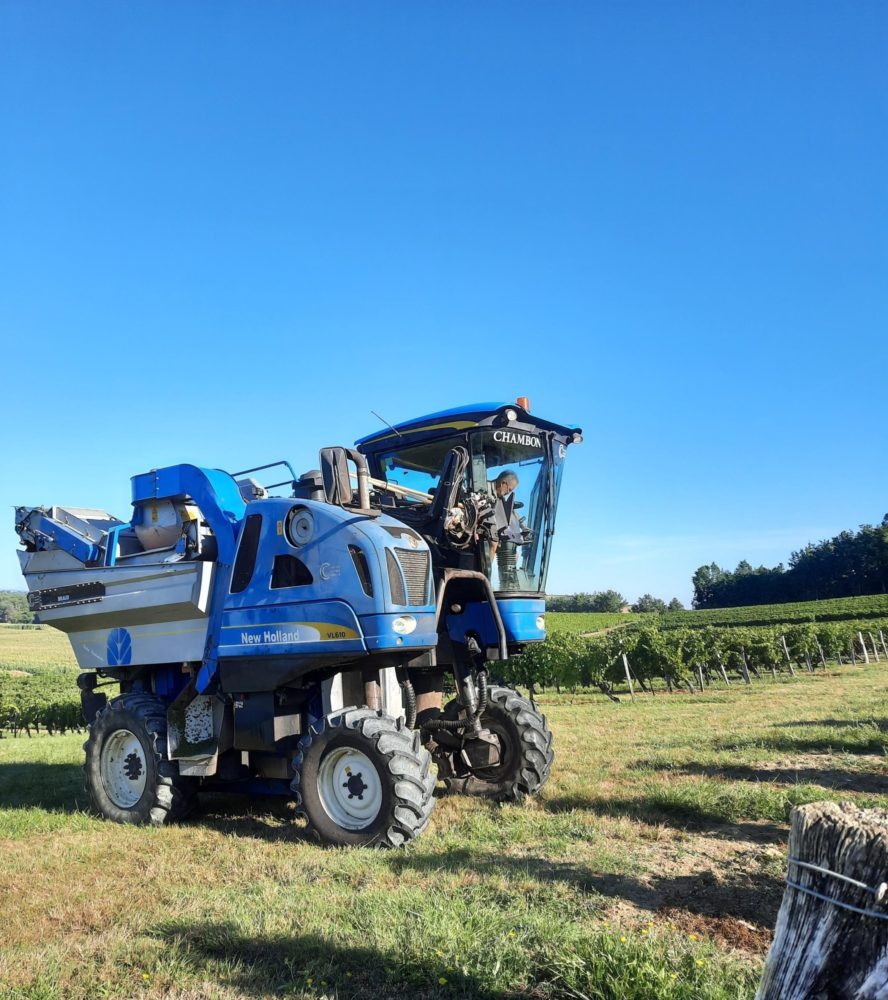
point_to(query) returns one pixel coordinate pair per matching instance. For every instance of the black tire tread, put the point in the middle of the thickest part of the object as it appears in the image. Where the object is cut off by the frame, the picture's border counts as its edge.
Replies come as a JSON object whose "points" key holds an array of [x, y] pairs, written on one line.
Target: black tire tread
{"points": [[407, 760], [537, 753], [174, 797]]}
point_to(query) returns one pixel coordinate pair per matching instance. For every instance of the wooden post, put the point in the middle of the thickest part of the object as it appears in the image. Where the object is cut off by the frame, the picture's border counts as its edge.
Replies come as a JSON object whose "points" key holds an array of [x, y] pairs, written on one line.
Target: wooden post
{"points": [[724, 672], [822, 657], [628, 675], [831, 938], [875, 647], [853, 654], [786, 650], [808, 662], [700, 675], [744, 669], [882, 640], [863, 647], [749, 666]]}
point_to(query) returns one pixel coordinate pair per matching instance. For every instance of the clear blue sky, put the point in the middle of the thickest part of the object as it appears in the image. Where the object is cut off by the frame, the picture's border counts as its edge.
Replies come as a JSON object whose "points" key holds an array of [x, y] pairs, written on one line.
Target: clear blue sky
{"points": [[230, 230]]}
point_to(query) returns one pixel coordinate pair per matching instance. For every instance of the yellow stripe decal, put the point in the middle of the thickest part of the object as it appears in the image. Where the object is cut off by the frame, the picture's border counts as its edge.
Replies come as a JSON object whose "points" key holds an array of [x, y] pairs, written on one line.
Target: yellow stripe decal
{"points": [[327, 631]]}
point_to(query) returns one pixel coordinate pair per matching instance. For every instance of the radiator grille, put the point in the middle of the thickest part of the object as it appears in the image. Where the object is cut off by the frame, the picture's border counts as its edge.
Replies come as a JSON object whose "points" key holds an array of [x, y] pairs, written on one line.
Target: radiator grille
{"points": [[416, 572], [396, 581]]}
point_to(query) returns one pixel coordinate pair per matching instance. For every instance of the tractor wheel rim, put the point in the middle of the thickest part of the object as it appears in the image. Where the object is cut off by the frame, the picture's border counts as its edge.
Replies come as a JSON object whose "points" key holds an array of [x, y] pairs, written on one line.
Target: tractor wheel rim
{"points": [[349, 788], [123, 769]]}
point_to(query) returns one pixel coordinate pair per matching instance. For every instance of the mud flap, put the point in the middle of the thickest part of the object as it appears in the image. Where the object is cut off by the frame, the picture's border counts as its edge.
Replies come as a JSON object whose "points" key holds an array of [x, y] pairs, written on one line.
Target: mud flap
{"points": [[194, 722]]}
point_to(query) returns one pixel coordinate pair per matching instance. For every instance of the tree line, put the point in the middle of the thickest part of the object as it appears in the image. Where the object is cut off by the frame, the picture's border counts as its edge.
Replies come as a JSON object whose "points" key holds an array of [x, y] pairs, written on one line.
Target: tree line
{"points": [[851, 564], [608, 602]]}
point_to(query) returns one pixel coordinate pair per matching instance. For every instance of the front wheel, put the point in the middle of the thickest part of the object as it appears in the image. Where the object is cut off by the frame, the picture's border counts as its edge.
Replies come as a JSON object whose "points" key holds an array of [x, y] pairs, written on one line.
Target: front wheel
{"points": [[363, 780], [525, 749]]}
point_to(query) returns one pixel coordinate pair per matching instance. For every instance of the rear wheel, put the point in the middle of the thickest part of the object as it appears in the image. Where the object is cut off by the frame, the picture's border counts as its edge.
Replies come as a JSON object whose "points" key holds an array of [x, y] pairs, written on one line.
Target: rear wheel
{"points": [[525, 749], [128, 778], [363, 779]]}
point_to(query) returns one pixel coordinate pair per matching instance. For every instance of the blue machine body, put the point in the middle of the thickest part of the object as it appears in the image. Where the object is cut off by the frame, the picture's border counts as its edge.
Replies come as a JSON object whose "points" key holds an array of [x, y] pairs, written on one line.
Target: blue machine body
{"points": [[300, 602]]}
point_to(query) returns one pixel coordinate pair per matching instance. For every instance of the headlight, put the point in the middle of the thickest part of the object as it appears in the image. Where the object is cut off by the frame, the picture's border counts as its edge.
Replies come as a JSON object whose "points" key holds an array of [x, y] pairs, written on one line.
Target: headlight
{"points": [[511, 414], [404, 625], [300, 526]]}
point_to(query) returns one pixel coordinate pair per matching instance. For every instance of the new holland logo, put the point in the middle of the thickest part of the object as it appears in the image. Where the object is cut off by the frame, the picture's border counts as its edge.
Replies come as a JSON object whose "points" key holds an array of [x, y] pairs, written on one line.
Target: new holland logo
{"points": [[120, 648], [513, 437]]}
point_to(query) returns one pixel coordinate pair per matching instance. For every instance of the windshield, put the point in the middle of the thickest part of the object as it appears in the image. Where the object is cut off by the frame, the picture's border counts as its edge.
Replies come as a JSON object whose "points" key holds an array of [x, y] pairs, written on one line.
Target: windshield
{"points": [[416, 468], [512, 468]]}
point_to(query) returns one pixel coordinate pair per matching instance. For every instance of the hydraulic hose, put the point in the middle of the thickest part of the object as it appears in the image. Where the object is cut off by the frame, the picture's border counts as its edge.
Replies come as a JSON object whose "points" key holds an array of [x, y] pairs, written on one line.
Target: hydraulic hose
{"points": [[456, 725], [410, 703]]}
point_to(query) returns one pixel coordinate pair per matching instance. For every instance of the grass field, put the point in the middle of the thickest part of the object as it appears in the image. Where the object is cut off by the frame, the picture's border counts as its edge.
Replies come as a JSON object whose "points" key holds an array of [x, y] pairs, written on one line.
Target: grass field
{"points": [[651, 867], [35, 649]]}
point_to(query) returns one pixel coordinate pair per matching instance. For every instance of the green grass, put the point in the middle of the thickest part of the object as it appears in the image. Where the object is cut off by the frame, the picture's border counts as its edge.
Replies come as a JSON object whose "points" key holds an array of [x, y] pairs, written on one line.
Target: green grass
{"points": [[651, 867]]}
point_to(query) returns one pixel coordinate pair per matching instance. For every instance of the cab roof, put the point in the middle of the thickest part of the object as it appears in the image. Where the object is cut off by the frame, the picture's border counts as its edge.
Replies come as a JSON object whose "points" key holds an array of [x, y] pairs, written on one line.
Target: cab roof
{"points": [[461, 418]]}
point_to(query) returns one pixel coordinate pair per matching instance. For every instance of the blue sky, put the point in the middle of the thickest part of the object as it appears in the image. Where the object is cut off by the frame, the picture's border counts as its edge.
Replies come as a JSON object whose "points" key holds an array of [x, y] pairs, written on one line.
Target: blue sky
{"points": [[229, 231]]}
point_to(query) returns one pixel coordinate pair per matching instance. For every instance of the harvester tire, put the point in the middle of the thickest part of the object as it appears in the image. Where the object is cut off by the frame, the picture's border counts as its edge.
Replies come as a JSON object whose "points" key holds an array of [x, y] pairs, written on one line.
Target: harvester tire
{"points": [[363, 779], [128, 776], [525, 744]]}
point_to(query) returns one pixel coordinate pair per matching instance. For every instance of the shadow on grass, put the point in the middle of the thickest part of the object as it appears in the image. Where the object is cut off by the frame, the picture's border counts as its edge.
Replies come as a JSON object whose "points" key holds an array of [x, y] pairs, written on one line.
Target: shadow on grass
{"points": [[881, 724], [264, 817], [279, 964], [751, 896], [54, 787], [864, 741], [827, 777], [680, 814]]}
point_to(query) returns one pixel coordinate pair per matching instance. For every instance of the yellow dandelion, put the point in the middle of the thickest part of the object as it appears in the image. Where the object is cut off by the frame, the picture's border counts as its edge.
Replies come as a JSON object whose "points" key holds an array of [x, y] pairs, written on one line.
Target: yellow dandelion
{"points": [[699, 961], [693, 937], [674, 975], [145, 975], [512, 934], [442, 981], [623, 938]]}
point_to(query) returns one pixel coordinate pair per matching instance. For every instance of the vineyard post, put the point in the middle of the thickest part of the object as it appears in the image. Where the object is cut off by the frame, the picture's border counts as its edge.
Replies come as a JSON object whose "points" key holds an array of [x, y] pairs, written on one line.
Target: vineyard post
{"points": [[749, 665], [724, 672], [744, 669], [628, 675], [831, 937], [853, 654], [700, 675], [875, 648], [863, 647], [884, 647], [822, 657], [786, 650], [808, 662]]}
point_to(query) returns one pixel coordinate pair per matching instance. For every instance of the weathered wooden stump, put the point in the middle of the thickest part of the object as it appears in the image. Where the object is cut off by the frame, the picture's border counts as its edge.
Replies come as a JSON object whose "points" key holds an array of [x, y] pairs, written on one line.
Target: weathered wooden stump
{"points": [[831, 938]]}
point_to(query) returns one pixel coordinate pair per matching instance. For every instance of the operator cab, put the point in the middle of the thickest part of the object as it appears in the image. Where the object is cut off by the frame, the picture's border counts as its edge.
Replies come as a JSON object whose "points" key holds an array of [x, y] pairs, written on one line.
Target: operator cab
{"points": [[482, 483]]}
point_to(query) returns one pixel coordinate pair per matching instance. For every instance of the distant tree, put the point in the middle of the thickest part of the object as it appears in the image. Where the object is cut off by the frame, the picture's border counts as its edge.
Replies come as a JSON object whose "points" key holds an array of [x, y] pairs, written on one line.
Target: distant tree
{"points": [[608, 600], [14, 607], [675, 605], [648, 602]]}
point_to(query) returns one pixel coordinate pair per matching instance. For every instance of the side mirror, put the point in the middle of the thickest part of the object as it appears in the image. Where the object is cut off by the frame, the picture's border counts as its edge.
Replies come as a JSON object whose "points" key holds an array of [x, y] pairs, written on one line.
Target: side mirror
{"points": [[337, 482], [337, 479]]}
